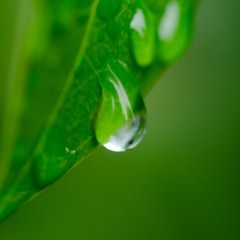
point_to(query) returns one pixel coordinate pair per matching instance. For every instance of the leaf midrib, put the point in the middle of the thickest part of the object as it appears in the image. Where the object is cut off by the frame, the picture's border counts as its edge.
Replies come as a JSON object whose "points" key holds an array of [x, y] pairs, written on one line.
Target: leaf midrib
{"points": [[70, 78]]}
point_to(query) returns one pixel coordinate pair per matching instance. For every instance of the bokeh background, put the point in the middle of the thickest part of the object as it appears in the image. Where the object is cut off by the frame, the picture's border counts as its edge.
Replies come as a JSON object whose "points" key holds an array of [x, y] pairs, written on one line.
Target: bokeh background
{"points": [[182, 182]]}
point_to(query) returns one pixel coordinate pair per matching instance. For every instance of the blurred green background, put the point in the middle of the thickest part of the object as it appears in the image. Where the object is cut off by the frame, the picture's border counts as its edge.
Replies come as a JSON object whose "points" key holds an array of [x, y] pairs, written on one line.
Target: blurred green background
{"points": [[182, 182]]}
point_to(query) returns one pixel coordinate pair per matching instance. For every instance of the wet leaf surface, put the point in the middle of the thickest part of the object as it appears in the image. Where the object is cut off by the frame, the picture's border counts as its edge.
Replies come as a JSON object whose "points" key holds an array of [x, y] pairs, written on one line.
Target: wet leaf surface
{"points": [[57, 97]]}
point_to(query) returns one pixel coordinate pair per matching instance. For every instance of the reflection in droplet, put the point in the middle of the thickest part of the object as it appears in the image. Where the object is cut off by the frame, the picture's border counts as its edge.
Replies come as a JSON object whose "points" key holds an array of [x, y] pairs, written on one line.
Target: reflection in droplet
{"points": [[142, 35], [128, 136], [121, 120]]}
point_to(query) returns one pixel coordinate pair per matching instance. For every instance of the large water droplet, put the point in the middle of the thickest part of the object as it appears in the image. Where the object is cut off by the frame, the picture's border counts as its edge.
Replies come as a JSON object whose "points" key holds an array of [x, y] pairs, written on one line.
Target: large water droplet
{"points": [[120, 123], [142, 35], [174, 29]]}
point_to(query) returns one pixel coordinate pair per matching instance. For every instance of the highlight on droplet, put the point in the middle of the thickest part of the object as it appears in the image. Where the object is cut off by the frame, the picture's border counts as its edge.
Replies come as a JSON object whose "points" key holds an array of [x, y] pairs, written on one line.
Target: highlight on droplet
{"points": [[169, 22], [142, 29]]}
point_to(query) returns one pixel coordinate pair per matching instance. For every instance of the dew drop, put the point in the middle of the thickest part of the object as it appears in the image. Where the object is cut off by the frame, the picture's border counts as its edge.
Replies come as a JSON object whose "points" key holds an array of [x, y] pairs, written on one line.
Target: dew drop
{"points": [[142, 35], [174, 30], [70, 151], [121, 119]]}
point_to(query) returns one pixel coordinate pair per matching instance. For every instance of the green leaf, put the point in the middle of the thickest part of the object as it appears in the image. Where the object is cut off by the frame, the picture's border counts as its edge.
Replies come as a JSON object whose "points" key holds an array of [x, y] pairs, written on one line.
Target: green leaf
{"points": [[48, 119]]}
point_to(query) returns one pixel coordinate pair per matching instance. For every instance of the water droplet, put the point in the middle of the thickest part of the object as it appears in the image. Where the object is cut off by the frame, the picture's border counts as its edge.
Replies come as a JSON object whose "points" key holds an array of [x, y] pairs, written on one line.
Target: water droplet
{"points": [[142, 35], [68, 150], [174, 30], [120, 123]]}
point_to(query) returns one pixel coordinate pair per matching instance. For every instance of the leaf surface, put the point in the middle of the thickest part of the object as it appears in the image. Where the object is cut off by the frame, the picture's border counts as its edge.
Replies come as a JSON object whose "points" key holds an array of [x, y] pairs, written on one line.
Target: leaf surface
{"points": [[71, 43]]}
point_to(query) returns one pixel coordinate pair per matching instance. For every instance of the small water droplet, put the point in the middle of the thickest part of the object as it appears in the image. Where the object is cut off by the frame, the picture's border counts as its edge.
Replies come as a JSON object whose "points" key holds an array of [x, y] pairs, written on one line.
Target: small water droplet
{"points": [[121, 119], [70, 151], [142, 35], [174, 30]]}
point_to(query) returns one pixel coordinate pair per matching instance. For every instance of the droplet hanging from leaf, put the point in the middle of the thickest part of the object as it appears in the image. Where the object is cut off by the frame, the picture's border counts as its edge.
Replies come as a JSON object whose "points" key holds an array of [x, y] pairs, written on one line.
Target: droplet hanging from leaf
{"points": [[122, 109]]}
